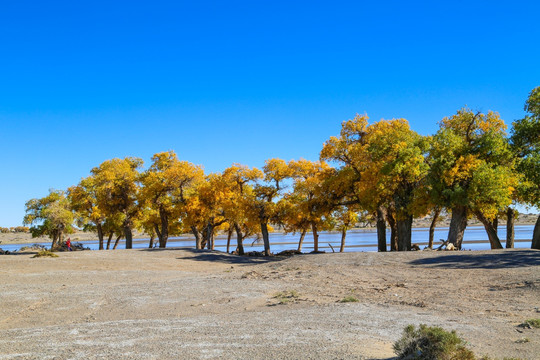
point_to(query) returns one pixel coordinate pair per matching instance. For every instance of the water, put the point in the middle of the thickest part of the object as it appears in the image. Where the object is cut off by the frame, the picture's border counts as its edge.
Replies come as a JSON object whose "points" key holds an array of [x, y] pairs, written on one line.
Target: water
{"points": [[357, 240]]}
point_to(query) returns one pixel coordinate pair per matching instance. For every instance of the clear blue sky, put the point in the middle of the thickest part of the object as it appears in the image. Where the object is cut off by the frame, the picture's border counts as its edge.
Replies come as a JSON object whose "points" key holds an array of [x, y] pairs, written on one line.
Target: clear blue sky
{"points": [[239, 81]]}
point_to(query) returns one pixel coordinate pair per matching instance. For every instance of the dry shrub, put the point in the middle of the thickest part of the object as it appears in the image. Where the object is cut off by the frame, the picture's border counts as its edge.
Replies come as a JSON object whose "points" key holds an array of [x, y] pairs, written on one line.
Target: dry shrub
{"points": [[45, 253], [531, 323], [431, 343]]}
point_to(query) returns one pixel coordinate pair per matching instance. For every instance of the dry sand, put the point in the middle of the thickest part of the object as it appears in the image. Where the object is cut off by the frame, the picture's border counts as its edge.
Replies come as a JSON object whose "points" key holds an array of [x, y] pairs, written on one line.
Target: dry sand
{"points": [[171, 304]]}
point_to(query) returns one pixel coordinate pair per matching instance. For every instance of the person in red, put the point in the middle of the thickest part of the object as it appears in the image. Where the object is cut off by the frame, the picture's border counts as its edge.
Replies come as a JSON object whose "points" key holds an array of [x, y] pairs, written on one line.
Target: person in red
{"points": [[68, 244]]}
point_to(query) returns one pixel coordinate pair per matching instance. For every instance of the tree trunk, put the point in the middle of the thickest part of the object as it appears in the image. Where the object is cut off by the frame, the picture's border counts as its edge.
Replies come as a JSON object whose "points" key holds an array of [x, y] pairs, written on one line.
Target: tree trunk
{"points": [[157, 229], [492, 233], [436, 214], [343, 235], [197, 235], [54, 241], [129, 237], [266, 238], [111, 234], [393, 231], [536, 235], [239, 239], [458, 224], [301, 241], [151, 243], [229, 236], [510, 218], [164, 229], [405, 233], [381, 230], [117, 241], [60, 238], [208, 233], [100, 235], [315, 237], [495, 224]]}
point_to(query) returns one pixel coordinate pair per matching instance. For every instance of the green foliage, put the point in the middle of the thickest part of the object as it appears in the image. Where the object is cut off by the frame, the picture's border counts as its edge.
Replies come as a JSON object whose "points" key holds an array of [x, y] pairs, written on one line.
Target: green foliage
{"points": [[348, 299], [51, 216], [431, 343], [471, 163], [525, 142], [45, 253]]}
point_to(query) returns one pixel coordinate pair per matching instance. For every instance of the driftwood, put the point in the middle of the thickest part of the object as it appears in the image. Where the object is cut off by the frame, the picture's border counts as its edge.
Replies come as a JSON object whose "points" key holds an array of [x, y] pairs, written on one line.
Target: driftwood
{"points": [[446, 245], [331, 247]]}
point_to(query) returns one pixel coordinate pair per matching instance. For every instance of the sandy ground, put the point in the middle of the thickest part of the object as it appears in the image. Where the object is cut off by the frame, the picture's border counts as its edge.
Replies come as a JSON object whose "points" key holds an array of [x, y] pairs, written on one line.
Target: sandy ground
{"points": [[187, 304]]}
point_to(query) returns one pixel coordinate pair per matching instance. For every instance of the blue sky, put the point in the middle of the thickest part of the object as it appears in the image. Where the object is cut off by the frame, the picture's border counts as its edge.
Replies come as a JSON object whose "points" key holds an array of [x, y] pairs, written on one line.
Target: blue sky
{"points": [[240, 81]]}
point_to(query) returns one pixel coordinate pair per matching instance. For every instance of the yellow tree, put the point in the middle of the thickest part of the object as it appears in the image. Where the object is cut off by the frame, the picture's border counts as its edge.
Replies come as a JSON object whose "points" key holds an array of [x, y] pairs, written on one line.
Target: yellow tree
{"points": [[345, 217], [292, 218], [308, 178], [194, 217], [276, 171], [166, 186], [353, 183], [472, 171], [51, 216], [148, 221], [397, 159], [117, 187], [382, 167], [83, 200], [238, 180], [206, 211]]}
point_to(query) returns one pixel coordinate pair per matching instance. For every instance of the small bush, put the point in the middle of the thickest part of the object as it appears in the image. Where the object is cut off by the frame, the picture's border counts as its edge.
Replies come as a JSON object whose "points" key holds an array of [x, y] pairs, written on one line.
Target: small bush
{"points": [[45, 253], [284, 297], [431, 343], [531, 323], [348, 299]]}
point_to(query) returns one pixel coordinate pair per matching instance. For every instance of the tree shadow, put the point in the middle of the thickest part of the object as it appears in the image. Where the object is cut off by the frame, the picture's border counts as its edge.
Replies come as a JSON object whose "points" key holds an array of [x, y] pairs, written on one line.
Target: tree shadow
{"points": [[218, 256], [496, 259]]}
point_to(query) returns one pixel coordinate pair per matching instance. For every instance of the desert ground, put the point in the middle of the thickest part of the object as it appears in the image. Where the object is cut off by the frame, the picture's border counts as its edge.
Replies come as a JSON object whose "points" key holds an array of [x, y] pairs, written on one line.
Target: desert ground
{"points": [[172, 303]]}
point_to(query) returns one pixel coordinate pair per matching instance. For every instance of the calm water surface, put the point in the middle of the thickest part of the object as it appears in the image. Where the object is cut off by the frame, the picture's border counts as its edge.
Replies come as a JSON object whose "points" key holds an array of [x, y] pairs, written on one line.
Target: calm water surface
{"points": [[357, 240]]}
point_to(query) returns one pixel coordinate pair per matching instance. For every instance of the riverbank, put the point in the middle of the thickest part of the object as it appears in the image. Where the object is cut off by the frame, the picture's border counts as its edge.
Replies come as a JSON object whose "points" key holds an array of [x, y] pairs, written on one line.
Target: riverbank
{"points": [[424, 223], [175, 303]]}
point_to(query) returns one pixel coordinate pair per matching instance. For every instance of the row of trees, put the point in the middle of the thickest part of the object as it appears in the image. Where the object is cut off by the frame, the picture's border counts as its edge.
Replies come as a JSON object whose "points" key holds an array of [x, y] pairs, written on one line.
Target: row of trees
{"points": [[383, 170], [15, 229]]}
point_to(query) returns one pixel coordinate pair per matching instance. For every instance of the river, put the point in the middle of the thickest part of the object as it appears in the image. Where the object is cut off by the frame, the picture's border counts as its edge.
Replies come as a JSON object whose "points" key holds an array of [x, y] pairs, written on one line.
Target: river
{"points": [[357, 240]]}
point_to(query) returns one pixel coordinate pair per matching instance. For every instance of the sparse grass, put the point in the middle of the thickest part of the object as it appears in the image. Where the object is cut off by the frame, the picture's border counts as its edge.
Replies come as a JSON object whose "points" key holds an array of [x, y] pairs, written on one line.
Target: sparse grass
{"points": [[531, 323], [45, 253], [426, 343], [287, 296], [348, 299]]}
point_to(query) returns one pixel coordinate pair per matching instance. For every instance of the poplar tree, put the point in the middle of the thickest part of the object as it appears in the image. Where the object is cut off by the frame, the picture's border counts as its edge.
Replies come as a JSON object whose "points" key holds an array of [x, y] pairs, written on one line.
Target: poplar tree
{"points": [[525, 140], [472, 171], [50, 216]]}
